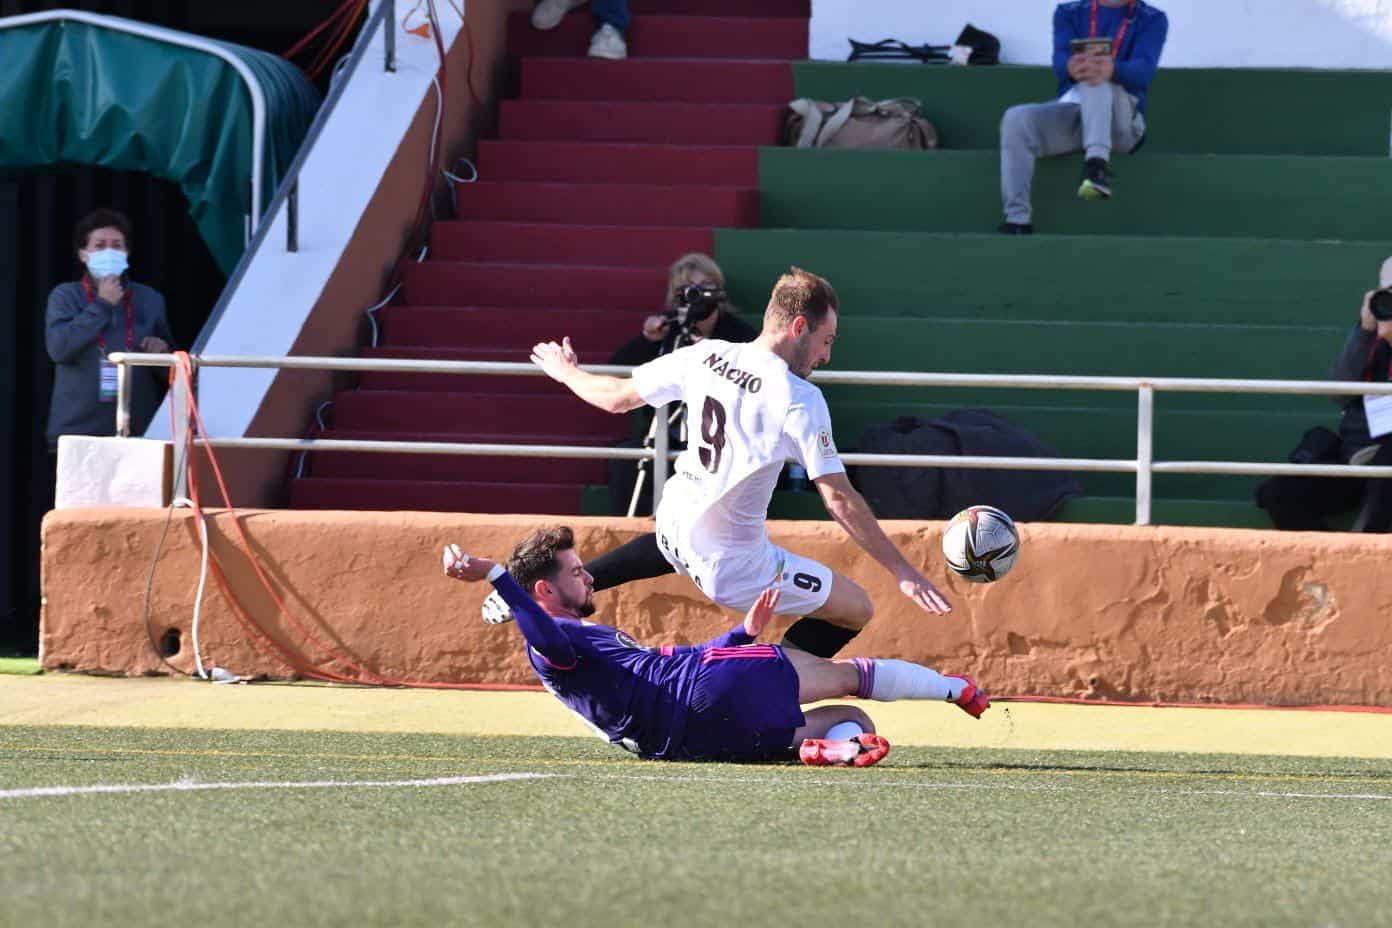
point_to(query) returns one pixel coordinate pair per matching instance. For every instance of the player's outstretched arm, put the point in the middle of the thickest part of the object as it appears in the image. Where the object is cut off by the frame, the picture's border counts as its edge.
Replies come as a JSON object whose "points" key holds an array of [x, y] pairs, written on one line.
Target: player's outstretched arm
{"points": [[611, 394], [540, 630], [849, 509]]}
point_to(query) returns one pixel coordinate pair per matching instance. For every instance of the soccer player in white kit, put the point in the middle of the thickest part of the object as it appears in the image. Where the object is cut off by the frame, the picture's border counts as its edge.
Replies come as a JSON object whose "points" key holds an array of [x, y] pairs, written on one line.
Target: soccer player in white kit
{"points": [[751, 409]]}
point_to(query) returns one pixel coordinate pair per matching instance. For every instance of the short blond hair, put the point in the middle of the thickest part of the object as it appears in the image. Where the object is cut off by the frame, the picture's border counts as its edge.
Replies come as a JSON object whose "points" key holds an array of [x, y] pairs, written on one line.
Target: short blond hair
{"points": [[800, 293], [679, 274]]}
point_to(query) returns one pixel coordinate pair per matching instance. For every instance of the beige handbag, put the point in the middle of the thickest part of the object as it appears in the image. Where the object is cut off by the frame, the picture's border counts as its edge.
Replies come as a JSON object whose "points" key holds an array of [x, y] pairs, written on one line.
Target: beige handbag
{"points": [[858, 123]]}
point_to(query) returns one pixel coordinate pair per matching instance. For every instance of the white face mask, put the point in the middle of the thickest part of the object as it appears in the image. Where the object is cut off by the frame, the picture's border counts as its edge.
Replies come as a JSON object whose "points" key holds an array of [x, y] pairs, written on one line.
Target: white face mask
{"points": [[107, 263]]}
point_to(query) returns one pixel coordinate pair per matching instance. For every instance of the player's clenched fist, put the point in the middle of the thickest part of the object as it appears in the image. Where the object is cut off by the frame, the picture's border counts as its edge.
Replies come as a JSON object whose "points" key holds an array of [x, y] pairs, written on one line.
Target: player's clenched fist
{"points": [[461, 566]]}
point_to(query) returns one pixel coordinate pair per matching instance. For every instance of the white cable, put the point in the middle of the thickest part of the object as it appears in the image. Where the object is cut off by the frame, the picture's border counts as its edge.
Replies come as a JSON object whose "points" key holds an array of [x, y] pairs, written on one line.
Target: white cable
{"points": [[455, 180], [473, 172], [319, 418], [371, 312], [184, 502]]}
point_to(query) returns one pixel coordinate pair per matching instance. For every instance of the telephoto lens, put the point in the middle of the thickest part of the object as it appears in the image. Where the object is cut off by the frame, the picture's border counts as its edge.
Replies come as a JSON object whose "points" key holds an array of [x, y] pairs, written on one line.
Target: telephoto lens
{"points": [[1380, 304]]}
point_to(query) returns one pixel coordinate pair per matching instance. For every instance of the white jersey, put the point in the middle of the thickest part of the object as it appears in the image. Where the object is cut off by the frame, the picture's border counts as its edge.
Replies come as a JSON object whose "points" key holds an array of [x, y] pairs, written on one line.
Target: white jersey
{"points": [[747, 414]]}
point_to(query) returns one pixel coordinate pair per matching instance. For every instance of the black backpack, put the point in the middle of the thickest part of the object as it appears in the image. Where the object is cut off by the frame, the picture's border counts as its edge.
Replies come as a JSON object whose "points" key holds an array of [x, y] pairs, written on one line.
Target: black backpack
{"points": [[985, 49], [938, 492]]}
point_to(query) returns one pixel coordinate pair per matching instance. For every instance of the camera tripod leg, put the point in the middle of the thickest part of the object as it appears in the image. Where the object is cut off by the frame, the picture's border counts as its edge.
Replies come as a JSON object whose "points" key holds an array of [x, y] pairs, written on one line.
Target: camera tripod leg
{"points": [[637, 489]]}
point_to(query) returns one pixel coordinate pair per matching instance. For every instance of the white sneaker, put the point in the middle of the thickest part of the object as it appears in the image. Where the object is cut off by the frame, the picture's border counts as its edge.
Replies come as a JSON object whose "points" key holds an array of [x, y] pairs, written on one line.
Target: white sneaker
{"points": [[549, 13], [495, 609], [608, 42]]}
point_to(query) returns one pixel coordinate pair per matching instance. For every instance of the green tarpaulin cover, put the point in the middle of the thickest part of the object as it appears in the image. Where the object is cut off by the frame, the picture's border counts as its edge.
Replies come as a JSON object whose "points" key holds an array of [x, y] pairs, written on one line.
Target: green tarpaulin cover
{"points": [[77, 92]]}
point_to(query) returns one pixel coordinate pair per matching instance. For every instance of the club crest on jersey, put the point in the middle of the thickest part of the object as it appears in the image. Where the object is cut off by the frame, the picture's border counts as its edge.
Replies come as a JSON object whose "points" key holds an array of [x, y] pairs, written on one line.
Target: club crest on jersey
{"points": [[742, 379], [824, 442]]}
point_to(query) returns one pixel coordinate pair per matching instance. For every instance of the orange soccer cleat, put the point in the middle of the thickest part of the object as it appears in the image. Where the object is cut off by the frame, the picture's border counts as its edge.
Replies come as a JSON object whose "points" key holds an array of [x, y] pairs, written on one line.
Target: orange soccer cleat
{"points": [[973, 700], [861, 751]]}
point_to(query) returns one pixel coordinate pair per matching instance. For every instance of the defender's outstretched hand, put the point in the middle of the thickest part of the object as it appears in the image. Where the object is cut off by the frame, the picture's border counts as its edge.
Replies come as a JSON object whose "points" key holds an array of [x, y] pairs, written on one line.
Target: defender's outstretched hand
{"points": [[558, 361], [461, 566], [760, 613], [924, 594]]}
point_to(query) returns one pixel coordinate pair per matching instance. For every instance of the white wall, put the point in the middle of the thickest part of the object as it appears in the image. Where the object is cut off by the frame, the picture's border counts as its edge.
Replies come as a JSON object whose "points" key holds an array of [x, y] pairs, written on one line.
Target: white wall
{"points": [[1353, 34], [339, 179]]}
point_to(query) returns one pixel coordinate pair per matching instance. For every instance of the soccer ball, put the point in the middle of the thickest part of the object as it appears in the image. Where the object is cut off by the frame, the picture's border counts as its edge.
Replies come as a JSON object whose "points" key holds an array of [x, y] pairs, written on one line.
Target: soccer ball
{"points": [[981, 544]]}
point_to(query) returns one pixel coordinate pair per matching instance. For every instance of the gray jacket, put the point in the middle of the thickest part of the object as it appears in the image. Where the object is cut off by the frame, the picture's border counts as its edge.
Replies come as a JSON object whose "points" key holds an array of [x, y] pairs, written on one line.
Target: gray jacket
{"points": [[72, 323]]}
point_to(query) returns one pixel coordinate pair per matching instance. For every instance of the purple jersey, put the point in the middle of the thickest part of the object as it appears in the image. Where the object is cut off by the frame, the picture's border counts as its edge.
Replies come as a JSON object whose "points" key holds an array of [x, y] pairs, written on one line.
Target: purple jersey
{"points": [[634, 696]]}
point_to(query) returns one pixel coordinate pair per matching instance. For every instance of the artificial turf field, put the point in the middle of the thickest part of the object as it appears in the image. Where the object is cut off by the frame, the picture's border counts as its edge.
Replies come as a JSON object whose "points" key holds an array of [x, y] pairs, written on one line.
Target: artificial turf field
{"points": [[268, 805]]}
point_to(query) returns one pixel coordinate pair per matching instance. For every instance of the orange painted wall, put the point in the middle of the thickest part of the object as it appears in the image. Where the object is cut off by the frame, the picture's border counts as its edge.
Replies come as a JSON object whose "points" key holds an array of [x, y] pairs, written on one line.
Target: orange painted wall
{"points": [[1168, 614]]}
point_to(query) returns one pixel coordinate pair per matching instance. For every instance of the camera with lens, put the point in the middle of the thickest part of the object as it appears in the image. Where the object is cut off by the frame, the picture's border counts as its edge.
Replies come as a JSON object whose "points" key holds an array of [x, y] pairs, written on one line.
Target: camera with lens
{"points": [[1380, 304], [694, 303]]}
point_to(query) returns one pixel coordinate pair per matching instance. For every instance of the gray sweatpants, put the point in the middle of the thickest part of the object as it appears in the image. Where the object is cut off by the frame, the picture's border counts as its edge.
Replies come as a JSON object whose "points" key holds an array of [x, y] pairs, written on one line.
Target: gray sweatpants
{"points": [[1104, 118]]}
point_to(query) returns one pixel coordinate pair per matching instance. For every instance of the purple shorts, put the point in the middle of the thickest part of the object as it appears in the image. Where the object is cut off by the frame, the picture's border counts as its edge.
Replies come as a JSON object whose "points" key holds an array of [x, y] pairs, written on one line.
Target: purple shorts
{"points": [[744, 705]]}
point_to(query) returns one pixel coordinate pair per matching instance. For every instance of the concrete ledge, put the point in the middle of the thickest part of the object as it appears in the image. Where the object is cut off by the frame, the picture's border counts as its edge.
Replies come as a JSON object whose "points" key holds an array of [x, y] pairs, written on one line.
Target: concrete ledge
{"points": [[1146, 614]]}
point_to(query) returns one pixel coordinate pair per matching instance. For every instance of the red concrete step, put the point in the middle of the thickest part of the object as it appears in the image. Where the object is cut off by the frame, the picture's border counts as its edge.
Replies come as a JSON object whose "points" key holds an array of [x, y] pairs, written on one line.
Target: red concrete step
{"points": [[546, 243], [453, 467], [470, 414], [655, 79], [617, 163], [793, 8], [777, 38], [504, 328], [590, 353], [651, 123], [477, 283], [612, 204], [432, 496]]}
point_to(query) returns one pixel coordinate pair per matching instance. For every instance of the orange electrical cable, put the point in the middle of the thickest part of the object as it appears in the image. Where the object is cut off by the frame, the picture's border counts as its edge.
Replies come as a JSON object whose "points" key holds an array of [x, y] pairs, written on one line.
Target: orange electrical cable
{"points": [[328, 21], [182, 376], [326, 55]]}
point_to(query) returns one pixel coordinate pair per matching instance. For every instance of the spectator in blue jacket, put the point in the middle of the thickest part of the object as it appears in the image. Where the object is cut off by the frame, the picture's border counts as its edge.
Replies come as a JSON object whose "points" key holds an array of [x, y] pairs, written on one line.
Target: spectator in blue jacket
{"points": [[1100, 105], [87, 319]]}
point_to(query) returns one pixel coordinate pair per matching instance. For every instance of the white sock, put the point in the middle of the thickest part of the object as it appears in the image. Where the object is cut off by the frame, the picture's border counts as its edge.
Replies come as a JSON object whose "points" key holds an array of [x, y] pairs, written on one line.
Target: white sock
{"points": [[888, 679], [844, 731]]}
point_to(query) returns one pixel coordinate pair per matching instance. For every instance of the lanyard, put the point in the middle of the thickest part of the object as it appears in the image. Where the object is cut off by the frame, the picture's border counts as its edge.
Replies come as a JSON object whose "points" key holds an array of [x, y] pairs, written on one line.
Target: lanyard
{"points": [[1370, 367], [130, 318], [1121, 33]]}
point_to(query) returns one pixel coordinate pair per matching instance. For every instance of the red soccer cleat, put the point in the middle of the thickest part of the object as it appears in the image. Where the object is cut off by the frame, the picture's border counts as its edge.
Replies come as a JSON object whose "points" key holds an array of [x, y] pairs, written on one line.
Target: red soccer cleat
{"points": [[861, 751], [973, 699]]}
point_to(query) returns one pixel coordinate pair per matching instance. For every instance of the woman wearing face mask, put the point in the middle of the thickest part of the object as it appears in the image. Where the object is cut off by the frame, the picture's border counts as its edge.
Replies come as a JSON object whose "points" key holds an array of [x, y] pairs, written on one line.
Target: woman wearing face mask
{"points": [[88, 319]]}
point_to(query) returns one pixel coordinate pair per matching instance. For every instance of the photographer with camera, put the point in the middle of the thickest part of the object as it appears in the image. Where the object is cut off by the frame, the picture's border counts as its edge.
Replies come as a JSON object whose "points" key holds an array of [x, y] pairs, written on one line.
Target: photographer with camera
{"points": [[697, 307], [1302, 503]]}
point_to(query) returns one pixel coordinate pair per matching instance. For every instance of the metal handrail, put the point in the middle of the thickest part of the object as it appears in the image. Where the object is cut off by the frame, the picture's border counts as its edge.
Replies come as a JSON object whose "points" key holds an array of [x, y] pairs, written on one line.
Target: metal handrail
{"points": [[1143, 465], [385, 13]]}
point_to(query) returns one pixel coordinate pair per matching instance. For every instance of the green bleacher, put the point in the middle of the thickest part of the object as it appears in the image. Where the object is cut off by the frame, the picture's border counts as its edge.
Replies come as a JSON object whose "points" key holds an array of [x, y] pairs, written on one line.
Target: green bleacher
{"points": [[1238, 244], [1252, 111]]}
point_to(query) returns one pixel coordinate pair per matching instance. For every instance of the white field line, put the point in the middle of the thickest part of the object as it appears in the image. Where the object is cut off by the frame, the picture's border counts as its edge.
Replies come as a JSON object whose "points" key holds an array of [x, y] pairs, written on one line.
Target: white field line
{"points": [[188, 786], [848, 778]]}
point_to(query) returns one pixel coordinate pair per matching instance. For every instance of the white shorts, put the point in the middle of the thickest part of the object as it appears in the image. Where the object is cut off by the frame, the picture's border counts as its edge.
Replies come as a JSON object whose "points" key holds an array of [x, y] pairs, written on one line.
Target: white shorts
{"points": [[736, 582]]}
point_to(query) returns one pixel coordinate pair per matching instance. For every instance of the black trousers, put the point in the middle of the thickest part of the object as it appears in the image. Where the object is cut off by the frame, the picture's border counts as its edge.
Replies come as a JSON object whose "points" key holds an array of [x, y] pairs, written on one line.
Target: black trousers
{"points": [[640, 559], [1303, 503]]}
